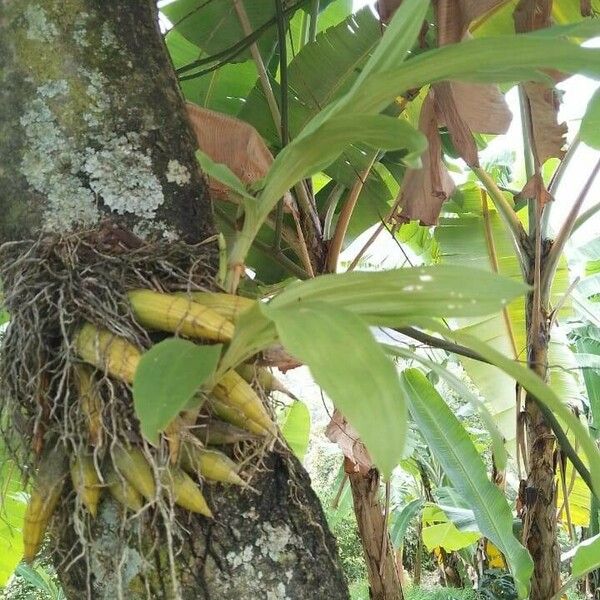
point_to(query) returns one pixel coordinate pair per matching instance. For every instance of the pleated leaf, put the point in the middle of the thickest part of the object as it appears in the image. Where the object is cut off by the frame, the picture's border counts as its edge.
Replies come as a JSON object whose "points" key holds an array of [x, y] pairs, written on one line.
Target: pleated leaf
{"points": [[452, 446]]}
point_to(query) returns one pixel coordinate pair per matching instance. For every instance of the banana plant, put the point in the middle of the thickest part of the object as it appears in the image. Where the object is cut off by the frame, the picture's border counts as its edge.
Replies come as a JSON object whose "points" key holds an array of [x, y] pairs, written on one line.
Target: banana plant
{"points": [[321, 125]]}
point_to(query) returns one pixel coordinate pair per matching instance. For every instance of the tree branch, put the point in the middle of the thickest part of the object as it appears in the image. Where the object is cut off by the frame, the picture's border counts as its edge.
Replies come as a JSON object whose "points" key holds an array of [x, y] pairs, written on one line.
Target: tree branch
{"points": [[506, 212], [260, 65], [558, 246], [585, 216], [556, 181], [341, 228], [442, 344]]}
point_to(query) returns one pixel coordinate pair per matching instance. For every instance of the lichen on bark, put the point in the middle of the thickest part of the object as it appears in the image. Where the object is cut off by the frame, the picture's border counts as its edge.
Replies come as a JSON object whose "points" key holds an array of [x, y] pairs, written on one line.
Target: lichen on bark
{"points": [[92, 126], [86, 121]]}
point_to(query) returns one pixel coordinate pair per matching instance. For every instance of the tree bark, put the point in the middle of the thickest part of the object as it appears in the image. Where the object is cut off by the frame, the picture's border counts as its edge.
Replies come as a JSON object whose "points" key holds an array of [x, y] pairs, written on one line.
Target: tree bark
{"points": [[92, 123], [273, 544], [538, 496], [384, 578], [93, 133]]}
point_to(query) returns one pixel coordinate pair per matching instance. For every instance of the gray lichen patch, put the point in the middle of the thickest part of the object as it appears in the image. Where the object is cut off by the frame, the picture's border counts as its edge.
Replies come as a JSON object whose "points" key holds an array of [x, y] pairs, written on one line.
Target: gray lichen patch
{"points": [[108, 582], [278, 593], [80, 32], [76, 176], [108, 39], [97, 98], [274, 540], [120, 173], [51, 164], [39, 27], [178, 173], [251, 565], [152, 229]]}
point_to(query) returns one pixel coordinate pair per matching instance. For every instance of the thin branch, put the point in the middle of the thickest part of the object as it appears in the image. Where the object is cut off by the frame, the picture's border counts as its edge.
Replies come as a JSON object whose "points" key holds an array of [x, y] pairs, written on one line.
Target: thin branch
{"points": [[304, 30], [366, 246], [506, 212], [335, 247], [260, 65], [281, 41], [585, 216], [489, 237], [530, 154], [556, 181], [527, 131], [558, 246], [560, 304], [278, 256], [442, 344], [564, 164], [283, 72], [314, 16], [307, 207], [305, 254], [336, 501]]}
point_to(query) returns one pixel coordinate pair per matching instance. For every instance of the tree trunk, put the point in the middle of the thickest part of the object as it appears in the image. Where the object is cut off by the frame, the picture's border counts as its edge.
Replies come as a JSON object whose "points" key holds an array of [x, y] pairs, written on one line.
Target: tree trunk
{"points": [[384, 579], [538, 496], [93, 137]]}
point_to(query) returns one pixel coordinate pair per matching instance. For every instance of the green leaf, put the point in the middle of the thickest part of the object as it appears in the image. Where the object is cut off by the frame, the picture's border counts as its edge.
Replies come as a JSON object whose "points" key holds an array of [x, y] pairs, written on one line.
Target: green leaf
{"points": [[307, 155], [586, 558], [534, 385], [498, 449], [253, 333], [13, 504], [223, 174], [452, 446], [400, 36], [352, 369], [401, 520], [591, 378], [386, 297], [448, 537], [295, 427], [215, 27], [321, 72], [590, 125], [486, 60], [168, 376], [494, 60], [41, 580]]}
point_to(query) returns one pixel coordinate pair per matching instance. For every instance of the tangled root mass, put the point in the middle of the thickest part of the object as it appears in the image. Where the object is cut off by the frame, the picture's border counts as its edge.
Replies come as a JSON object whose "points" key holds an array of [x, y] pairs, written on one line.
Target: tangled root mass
{"points": [[51, 286]]}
